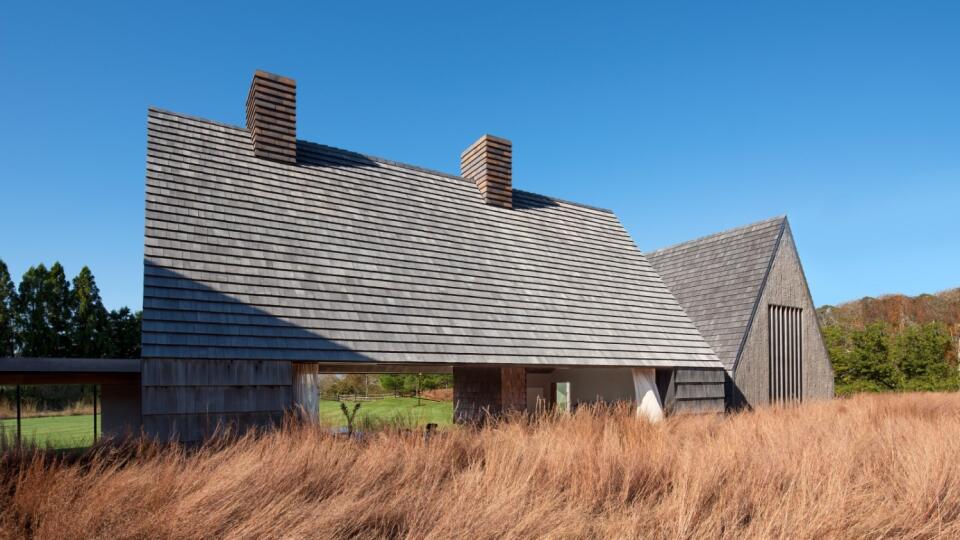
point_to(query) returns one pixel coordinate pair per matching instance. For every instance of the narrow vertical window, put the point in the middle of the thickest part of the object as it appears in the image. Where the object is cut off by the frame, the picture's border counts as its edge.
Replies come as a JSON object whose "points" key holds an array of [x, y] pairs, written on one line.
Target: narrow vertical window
{"points": [[786, 354]]}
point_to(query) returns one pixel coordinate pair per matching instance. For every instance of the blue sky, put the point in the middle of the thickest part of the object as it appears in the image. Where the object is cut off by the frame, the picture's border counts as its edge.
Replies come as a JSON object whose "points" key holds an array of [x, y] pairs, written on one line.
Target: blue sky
{"points": [[684, 118]]}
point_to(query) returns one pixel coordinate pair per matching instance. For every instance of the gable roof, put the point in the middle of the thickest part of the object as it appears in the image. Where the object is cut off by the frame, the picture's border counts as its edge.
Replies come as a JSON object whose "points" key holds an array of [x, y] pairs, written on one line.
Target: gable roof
{"points": [[346, 257], [718, 280]]}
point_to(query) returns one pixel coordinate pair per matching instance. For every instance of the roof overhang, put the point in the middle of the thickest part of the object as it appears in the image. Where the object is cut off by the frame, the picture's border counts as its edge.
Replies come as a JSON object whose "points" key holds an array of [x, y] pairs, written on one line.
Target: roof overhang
{"points": [[69, 370]]}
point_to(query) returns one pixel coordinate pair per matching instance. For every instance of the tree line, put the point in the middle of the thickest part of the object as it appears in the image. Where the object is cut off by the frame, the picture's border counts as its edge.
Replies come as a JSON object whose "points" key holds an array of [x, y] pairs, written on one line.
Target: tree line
{"points": [[880, 357], [396, 383], [47, 315], [894, 342]]}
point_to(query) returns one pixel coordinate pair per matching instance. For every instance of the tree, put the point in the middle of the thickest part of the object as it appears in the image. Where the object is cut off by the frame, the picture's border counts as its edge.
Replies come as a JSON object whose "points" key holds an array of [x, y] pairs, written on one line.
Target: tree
{"points": [[34, 336], [392, 383], [124, 333], [59, 303], [861, 358], [408, 382], [8, 305], [90, 330], [921, 350]]}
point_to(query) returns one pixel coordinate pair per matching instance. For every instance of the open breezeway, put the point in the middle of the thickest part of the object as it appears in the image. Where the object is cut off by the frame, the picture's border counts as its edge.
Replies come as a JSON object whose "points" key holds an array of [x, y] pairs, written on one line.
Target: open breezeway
{"points": [[116, 384]]}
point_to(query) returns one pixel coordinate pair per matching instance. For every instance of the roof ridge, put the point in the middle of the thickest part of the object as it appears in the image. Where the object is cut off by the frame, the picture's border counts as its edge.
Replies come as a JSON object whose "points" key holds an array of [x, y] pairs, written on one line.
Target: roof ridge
{"points": [[386, 161], [781, 218]]}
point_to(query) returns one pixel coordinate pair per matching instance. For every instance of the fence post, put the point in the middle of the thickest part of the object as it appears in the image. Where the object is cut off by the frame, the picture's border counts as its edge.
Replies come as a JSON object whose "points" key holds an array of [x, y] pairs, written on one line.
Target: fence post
{"points": [[94, 413], [18, 415]]}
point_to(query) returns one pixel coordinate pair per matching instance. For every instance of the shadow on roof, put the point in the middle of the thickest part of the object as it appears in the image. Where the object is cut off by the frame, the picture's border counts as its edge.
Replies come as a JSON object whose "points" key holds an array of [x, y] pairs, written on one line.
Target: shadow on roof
{"points": [[309, 153], [524, 200], [186, 319]]}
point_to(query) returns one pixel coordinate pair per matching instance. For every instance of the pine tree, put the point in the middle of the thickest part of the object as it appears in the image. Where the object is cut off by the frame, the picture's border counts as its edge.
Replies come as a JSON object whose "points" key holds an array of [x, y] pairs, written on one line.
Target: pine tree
{"points": [[59, 308], [33, 333], [8, 305], [89, 331], [124, 333]]}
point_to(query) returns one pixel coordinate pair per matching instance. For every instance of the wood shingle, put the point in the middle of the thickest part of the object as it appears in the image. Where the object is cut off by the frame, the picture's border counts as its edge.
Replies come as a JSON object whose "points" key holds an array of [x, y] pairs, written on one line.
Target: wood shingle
{"points": [[346, 257]]}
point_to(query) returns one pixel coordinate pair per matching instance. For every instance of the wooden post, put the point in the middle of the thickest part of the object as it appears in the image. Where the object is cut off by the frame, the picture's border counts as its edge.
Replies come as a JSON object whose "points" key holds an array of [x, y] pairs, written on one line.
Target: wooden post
{"points": [[94, 413], [18, 415]]}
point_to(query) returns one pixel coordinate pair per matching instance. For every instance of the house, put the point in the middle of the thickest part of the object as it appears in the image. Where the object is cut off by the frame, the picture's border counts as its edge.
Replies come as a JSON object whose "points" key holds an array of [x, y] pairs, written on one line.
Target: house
{"points": [[270, 259], [746, 292]]}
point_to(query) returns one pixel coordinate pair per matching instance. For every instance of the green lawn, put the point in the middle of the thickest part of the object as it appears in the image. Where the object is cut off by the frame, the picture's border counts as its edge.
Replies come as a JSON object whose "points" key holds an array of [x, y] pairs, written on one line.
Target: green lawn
{"points": [[57, 431], [436, 412], [77, 431]]}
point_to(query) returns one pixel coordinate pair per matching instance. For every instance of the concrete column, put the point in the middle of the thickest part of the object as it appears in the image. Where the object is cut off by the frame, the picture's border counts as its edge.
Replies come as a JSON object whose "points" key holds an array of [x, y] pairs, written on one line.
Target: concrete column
{"points": [[306, 391], [648, 398]]}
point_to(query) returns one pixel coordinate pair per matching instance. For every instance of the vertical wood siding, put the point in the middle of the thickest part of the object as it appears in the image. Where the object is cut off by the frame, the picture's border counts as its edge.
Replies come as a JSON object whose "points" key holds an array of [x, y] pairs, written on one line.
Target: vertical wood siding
{"points": [[190, 399], [753, 383], [785, 353]]}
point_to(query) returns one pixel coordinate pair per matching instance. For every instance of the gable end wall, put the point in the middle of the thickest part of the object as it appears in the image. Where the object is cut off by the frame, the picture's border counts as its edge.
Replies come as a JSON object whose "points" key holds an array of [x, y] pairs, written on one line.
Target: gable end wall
{"points": [[787, 286]]}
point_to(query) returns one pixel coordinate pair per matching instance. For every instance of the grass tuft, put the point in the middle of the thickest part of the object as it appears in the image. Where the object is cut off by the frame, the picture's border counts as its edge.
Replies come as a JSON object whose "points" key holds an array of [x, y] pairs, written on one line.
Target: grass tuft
{"points": [[866, 467]]}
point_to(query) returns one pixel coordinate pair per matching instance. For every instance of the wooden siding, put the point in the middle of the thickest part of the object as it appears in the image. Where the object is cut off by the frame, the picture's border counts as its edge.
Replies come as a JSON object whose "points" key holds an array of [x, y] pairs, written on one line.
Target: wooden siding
{"points": [[785, 353], [344, 257], [785, 286], [691, 390], [187, 399]]}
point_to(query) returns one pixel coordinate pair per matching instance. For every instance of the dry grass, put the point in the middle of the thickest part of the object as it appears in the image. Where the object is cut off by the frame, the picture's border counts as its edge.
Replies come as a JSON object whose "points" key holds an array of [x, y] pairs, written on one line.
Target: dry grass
{"points": [[28, 409], [868, 467], [438, 394]]}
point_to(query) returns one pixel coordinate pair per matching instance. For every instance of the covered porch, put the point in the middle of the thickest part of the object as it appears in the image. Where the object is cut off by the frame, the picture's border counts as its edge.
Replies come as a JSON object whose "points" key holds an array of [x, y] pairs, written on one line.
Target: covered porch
{"points": [[480, 390], [116, 387]]}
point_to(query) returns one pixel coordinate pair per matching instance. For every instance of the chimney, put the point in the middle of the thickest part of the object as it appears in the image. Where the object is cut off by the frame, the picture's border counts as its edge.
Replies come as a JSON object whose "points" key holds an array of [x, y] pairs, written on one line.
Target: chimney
{"points": [[489, 162], [272, 117]]}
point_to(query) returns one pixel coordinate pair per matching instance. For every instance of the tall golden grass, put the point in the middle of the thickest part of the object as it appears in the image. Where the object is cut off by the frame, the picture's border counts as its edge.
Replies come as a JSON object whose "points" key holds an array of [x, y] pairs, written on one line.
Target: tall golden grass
{"points": [[29, 409], [869, 467]]}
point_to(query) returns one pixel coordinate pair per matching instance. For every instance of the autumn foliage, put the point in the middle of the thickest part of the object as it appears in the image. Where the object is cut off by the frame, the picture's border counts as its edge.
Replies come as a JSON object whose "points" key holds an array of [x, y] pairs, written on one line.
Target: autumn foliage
{"points": [[894, 343]]}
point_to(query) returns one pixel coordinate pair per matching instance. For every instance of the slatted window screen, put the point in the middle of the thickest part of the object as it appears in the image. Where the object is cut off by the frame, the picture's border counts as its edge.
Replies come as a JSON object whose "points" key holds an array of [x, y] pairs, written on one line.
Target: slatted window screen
{"points": [[786, 354]]}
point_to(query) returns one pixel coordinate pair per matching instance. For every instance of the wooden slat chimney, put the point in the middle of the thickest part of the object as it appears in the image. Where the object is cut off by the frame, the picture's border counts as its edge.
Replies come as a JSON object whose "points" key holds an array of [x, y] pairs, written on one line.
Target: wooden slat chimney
{"points": [[272, 117], [489, 162]]}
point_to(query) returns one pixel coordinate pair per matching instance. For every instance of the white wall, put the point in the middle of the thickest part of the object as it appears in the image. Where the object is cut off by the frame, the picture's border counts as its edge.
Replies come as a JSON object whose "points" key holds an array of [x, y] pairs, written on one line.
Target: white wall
{"points": [[588, 385]]}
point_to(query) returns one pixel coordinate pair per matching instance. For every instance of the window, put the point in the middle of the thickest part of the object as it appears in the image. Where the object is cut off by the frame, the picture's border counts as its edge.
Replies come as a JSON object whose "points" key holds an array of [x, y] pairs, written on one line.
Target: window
{"points": [[563, 396], [786, 354]]}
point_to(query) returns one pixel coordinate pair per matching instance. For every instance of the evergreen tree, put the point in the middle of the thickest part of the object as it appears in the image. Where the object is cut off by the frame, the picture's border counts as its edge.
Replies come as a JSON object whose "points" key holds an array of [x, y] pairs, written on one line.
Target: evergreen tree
{"points": [[920, 351], [59, 310], [8, 306], [871, 357], [90, 331], [34, 337], [124, 330]]}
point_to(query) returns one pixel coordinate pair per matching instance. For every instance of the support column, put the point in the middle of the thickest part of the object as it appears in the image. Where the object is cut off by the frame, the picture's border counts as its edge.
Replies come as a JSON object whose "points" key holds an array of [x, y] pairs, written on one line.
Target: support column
{"points": [[648, 398], [482, 390], [306, 391], [19, 399], [513, 389]]}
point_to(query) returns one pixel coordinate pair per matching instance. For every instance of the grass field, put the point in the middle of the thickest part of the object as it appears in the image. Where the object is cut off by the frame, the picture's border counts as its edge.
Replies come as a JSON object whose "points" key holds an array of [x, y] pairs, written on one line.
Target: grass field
{"points": [[76, 431], [57, 431], [437, 412], [872, 466]]}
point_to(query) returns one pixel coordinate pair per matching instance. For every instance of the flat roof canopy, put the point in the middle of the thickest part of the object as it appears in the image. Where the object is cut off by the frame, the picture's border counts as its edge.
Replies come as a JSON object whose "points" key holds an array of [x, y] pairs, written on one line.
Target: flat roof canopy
{"points": [[69, 370]]}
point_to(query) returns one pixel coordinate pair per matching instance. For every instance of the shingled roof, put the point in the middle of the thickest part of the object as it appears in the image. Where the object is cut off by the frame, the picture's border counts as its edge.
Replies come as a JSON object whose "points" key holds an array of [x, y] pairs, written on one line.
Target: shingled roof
{"points": [[346, 257], [718, 280]]}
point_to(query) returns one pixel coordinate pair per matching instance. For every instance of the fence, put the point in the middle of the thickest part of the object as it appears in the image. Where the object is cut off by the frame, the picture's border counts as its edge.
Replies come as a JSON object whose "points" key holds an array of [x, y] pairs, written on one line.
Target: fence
{"points": [[358, 397]]}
